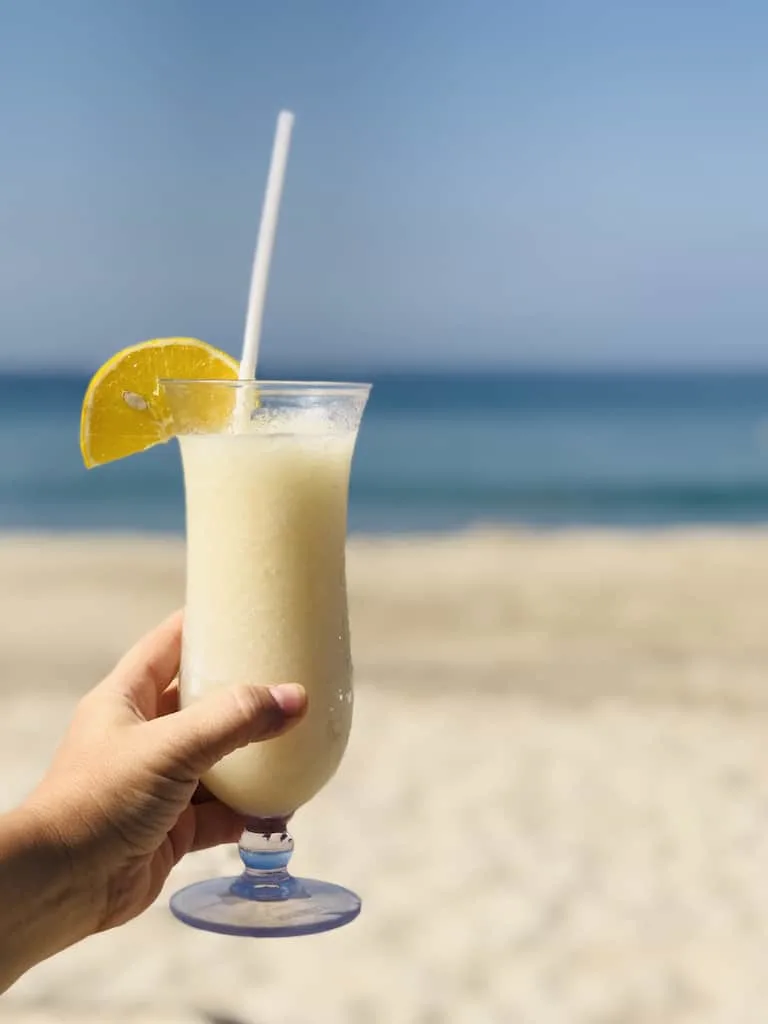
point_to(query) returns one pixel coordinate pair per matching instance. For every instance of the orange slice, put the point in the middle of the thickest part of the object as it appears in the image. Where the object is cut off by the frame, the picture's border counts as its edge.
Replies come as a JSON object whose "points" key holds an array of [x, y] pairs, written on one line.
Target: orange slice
{"points": [[123, 410]]}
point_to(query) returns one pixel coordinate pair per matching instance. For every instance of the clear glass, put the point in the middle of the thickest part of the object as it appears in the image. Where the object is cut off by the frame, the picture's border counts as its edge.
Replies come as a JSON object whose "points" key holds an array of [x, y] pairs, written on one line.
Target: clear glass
{"points": [[266, 478]]}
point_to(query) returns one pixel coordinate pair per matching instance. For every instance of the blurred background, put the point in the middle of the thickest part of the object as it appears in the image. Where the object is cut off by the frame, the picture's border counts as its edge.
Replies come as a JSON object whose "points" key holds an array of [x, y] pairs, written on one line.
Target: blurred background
{"points": [[540, 230]]}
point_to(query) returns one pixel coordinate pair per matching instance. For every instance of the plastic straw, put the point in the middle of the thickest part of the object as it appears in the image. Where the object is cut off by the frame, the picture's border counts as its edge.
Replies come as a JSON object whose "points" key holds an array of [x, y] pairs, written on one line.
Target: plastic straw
{"points": [[265, 245]]}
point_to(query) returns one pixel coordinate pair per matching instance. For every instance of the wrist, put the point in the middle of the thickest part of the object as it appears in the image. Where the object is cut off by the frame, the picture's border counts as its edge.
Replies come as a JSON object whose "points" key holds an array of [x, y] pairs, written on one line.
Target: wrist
{"points": [[47, 902]]}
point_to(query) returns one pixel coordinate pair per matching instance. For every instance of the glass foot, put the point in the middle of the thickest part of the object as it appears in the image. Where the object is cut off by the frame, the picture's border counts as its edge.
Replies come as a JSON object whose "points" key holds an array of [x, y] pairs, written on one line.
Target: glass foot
{"points": [[265, 901], [304, 907]]}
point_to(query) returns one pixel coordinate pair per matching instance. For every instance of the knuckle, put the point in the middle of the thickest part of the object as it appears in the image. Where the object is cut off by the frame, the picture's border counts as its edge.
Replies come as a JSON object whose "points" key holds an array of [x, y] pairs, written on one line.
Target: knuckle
{"points": [[255, 708], [184, 753]]}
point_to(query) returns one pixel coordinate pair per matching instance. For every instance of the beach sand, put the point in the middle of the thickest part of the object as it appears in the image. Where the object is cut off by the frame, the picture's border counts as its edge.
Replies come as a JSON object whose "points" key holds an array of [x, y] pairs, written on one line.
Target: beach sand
{"points": [[554, 804]]}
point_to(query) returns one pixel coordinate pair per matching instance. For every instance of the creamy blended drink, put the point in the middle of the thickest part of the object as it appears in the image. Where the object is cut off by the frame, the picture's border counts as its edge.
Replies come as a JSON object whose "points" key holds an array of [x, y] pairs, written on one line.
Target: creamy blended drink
{"points": [[266, 597], [266, 477]]}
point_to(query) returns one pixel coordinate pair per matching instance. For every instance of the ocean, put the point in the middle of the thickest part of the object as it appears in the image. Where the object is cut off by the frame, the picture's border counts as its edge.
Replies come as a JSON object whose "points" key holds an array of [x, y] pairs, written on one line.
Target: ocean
{"points": [[439, 452]]}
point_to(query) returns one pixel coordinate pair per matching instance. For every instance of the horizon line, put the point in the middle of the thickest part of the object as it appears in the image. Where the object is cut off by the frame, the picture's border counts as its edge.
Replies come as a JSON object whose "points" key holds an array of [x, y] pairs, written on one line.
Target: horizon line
{"points": [[518, 368]]}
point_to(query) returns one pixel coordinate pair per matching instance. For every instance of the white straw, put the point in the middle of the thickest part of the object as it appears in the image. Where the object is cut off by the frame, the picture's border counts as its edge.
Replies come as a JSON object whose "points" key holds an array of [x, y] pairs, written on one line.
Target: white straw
{"points": [[264, 245]]}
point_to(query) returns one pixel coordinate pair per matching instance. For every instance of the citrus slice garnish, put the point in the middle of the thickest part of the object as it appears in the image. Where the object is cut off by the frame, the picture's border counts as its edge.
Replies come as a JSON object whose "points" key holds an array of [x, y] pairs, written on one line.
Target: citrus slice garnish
{"points": [[124, 411]]}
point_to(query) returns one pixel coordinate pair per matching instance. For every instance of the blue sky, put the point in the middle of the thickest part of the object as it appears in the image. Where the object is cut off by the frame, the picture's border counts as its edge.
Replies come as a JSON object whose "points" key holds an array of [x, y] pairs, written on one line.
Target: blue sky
{"points": [[558, 183]]}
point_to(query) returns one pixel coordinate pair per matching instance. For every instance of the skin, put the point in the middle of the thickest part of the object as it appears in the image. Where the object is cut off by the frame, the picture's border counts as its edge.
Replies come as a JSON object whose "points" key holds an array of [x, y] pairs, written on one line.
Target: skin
{"points": [[122, 803]]}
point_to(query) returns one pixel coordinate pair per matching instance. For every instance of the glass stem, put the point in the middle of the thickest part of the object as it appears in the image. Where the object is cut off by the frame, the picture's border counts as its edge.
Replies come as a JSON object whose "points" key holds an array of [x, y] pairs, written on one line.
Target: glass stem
{"points": [[265, 849], [266, 845]]}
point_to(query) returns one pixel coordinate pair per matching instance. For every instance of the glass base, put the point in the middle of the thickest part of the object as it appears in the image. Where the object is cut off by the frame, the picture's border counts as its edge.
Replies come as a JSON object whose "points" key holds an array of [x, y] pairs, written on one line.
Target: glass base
{"points": [[238, 906], [266, 901]]}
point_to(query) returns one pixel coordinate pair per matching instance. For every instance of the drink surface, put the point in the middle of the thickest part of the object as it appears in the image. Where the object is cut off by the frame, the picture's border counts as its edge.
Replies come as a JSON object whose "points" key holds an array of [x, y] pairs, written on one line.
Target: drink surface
{"points": [[266, 599]]}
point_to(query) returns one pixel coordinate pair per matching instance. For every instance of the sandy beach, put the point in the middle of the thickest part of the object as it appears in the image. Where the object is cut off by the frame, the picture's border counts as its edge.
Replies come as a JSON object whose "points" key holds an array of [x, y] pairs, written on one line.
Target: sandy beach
{"points": [[554, 804]]}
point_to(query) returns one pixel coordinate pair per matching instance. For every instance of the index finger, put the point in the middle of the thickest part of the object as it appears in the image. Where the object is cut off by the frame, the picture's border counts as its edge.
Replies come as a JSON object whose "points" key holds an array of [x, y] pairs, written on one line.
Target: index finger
{"points": [[150, 666]]}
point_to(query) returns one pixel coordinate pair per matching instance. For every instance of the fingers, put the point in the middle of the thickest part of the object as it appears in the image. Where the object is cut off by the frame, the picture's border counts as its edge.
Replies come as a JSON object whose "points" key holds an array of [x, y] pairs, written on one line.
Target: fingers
{"points": [[168, 700], [157, 655], [216, 824], [202, 795], [199, 828], [191, 741], [149, 668]]}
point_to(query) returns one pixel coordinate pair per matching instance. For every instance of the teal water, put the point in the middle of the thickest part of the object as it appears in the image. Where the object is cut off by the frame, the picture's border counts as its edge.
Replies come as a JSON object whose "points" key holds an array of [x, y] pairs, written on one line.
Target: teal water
{"points": [[438, 452]]}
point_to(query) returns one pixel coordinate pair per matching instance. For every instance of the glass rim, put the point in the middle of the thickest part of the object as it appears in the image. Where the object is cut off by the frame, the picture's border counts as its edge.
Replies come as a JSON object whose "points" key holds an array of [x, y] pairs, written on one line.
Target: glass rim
{"points": [[275, 387]]}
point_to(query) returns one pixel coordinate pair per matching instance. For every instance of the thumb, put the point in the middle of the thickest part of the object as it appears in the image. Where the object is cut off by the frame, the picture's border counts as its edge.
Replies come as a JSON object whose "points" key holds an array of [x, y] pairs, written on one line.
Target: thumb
{"points": [[192, 740]]}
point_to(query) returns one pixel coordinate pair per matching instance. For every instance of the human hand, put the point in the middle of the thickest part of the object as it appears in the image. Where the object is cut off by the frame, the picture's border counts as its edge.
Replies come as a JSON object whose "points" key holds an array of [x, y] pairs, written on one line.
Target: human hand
{"points": [[122, 796]]}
